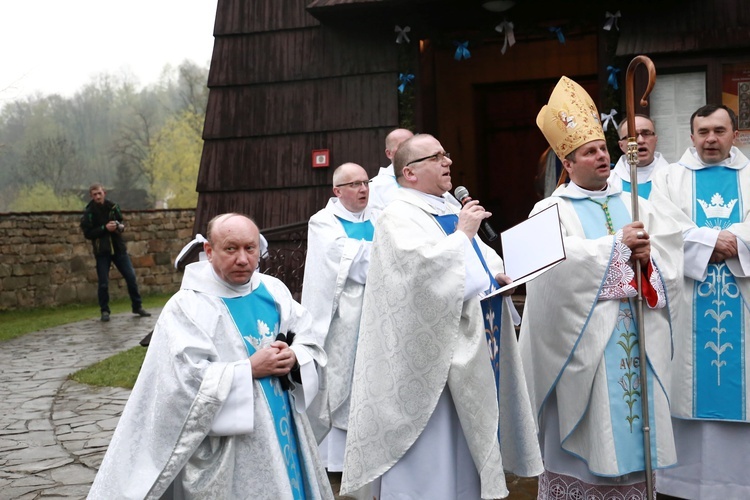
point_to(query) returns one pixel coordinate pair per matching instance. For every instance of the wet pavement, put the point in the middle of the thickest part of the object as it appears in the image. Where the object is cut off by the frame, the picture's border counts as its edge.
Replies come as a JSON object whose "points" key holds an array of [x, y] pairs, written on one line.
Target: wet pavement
{"points": [[53, 431]]}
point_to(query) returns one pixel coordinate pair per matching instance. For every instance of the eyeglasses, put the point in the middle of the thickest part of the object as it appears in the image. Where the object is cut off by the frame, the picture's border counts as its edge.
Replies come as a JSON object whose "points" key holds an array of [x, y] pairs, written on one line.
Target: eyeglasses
{"points": [[645, 133], [438, 157], [356, 184]]}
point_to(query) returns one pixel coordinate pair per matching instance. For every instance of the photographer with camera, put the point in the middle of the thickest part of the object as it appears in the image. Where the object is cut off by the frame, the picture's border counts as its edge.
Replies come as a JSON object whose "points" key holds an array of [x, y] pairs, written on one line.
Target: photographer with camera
{"points": [[102, 224]]}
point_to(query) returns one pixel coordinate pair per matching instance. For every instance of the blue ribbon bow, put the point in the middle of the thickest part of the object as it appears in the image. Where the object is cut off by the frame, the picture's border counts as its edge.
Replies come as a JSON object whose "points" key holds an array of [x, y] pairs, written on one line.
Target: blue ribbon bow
{"points": [[462, 51], [612, 80], [403, 79], [558, 31]]}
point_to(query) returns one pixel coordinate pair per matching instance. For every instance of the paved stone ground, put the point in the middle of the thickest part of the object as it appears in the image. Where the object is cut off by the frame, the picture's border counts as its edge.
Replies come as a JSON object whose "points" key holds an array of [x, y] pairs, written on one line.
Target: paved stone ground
{"points": [[54, 432]]}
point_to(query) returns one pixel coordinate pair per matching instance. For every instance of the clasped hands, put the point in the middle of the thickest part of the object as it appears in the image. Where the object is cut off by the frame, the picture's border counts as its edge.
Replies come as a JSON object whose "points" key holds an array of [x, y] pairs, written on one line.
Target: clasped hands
{"points": [[276, 359], [725, 248]]}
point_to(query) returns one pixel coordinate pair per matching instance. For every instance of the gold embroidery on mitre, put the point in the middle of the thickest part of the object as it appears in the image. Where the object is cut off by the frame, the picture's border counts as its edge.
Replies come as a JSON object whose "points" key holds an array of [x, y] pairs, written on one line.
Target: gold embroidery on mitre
{"points": [[570, 119]]}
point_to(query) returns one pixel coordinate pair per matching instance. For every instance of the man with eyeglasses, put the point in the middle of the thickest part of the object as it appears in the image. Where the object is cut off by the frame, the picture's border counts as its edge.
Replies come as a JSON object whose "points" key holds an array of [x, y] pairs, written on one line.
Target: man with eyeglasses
{"points": [[649, 160], [424, 419], [384, 185], [339, 242], [710, 400]]}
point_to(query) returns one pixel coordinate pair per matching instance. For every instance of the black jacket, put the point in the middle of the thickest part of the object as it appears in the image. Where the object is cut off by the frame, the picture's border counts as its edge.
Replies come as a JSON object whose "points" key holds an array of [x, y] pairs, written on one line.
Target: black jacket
{"points": [[94, 218]]}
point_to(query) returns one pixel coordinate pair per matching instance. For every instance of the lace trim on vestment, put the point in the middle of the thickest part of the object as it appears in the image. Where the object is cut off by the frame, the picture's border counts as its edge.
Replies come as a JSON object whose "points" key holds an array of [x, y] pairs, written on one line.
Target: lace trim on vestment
{"points": [[554, 486], [617, 284]]}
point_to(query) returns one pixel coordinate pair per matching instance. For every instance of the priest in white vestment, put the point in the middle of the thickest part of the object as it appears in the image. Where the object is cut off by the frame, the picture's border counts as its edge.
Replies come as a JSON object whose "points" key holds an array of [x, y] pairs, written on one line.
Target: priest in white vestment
{"points": [[218, 407], [384, 186], [425, 421], [711, 186], [650, 161], [339, 240], [580, 348]]}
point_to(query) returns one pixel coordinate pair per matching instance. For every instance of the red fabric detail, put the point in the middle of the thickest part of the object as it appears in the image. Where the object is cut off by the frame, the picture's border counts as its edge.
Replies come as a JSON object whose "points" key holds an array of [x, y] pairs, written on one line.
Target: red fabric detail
{"points": [[649, 292]]}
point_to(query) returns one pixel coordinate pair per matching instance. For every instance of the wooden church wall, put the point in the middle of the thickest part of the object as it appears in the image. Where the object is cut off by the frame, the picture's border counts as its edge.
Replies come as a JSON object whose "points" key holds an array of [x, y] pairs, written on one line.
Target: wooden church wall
{"points": [[282, 85]]}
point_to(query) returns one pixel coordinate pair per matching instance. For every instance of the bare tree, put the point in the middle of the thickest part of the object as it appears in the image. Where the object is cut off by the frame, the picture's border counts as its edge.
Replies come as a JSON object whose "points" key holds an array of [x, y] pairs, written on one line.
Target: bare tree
{"points": [[53, 162]]}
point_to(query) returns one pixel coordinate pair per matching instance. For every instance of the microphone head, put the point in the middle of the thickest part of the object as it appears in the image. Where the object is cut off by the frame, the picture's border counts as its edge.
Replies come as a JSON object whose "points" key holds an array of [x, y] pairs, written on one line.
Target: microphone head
{"points": [[460, 193]]}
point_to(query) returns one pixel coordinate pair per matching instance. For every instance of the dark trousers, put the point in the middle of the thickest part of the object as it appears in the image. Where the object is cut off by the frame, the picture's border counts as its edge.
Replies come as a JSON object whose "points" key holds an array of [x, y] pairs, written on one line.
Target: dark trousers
{"points": [[123, 264]]}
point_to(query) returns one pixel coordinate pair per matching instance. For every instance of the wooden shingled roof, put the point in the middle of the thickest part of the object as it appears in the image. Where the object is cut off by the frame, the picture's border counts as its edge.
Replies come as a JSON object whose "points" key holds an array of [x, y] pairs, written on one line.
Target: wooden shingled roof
{"points": [[282, 85]]}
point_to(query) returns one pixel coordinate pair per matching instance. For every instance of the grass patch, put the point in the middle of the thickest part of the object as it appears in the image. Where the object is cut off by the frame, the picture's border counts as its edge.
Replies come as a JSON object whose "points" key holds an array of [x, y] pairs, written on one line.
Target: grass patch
{"points": [[120, 370], [16, 323]]}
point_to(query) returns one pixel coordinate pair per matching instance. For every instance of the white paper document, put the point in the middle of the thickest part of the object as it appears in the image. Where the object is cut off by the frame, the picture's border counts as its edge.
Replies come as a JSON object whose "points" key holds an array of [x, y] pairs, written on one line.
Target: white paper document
{"points": [[532, 247]]}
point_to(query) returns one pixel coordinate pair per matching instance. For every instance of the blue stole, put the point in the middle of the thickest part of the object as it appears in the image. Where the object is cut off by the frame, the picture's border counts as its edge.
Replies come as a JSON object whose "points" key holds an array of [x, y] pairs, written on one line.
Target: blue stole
{"points": [[718, 339], [492, 308], [358, 230], [644, 189], [622, 354], [257, 320]]}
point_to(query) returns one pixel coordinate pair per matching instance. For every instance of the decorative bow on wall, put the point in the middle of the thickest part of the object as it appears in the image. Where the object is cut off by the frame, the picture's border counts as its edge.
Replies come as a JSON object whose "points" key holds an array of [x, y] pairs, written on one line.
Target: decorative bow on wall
{"points": [[612, 79], [558, 31], [402, 34], [462, 50], [608, 118], [612, 19], [510, 38], [404, 79]]}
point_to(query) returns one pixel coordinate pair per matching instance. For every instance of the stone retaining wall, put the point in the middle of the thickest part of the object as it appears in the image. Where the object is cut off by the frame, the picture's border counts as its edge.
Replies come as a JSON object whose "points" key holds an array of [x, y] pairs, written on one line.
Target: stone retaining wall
{"points": [[45, 260]]}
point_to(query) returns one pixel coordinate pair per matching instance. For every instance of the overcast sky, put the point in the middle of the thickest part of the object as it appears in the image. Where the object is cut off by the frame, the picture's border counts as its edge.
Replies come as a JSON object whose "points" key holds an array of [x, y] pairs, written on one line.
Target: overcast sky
{"points": [[56, 46]]}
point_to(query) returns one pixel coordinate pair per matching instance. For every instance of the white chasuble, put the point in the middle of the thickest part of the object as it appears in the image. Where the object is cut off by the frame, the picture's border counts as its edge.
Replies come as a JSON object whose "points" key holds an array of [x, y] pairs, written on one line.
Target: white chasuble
{"points": [[338, 257], [197, 425], [420, 337]]}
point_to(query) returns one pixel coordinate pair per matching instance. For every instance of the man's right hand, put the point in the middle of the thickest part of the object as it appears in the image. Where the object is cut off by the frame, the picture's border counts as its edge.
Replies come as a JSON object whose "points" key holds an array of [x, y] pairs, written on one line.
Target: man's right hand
{"points": [[470, 217], [725, 248], [111, 226]]}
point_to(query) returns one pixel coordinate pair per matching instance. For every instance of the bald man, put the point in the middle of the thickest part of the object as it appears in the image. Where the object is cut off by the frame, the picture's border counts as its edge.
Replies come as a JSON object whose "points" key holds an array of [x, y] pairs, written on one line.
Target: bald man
{"points": [[219, 422], [426, 406], [339, 240], [384, 186]]}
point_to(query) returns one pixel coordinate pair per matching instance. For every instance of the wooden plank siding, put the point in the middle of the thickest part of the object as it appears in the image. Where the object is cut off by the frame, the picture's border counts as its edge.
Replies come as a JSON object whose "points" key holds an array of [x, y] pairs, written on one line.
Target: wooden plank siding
{"points": [[232, 164], [685, 26], [339, 103], [297, 55], [280, 86], [269, 208]]}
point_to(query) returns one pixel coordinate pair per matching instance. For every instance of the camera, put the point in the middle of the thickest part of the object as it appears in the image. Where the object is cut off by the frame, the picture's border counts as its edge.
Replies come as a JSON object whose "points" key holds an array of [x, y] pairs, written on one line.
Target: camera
{"points": [[120, 226]]}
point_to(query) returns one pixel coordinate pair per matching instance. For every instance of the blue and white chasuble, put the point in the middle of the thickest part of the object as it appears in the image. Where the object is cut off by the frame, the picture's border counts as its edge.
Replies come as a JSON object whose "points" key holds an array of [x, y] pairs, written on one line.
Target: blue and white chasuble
{"points": [[492, 307], [622, 354], [719, 375], [257, 321]]}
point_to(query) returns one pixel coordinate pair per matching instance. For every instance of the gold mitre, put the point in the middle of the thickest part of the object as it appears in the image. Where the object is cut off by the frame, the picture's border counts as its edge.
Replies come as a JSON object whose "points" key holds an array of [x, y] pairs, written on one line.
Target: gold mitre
{"points": [[570, 119]]}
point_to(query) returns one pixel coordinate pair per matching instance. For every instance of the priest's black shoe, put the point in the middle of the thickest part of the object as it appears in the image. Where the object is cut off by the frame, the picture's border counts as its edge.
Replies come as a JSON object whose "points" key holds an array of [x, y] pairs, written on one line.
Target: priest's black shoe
{"points": [[142, 312], [105, 316]]}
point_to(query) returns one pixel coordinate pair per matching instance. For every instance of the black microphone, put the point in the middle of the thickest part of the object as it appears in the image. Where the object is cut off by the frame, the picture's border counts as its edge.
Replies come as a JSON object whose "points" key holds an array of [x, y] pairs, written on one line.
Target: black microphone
{"points": [[462, 195]]}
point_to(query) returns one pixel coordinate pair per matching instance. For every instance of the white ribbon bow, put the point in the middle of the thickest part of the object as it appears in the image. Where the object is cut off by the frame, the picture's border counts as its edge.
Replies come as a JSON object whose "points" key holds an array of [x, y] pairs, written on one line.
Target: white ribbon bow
{"points": [[612, 19], [607, 118], [402, 34], [510, 37]]}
